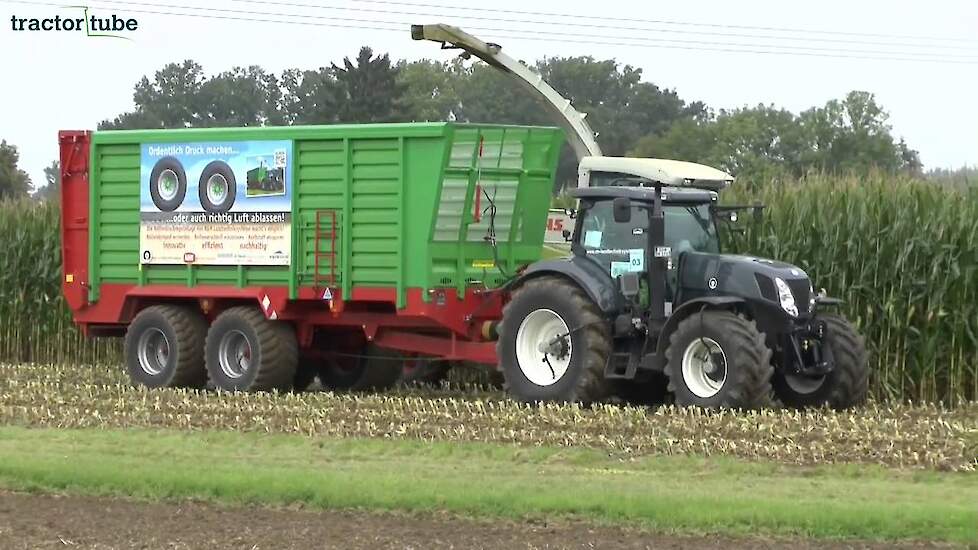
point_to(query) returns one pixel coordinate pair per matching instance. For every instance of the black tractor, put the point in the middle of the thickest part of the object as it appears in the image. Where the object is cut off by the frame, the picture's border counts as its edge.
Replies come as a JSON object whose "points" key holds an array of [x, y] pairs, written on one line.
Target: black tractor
{"points": [[648, 308]]}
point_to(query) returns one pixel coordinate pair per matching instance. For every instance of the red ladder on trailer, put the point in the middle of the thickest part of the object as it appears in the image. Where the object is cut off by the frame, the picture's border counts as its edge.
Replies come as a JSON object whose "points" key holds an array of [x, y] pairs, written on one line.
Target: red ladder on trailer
{"points": [[325, 234]]}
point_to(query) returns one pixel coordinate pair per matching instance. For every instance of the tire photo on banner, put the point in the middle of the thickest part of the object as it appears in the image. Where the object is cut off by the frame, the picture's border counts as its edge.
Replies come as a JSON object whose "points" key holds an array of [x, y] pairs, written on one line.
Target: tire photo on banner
{"points": [[217, 187], [168, 184]]}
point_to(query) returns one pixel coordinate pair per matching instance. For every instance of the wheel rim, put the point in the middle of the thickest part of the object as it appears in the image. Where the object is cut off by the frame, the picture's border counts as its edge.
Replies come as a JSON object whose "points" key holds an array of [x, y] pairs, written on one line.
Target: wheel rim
{"points": [[234, 354], [217, 189], [804, 384], [704, 367], [543, 361], [153, 351], [167, 184]]}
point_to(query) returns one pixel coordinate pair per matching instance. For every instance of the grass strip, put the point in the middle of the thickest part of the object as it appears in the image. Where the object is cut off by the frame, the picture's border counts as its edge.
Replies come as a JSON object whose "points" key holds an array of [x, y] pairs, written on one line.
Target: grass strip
{"points": [[676, 494]]}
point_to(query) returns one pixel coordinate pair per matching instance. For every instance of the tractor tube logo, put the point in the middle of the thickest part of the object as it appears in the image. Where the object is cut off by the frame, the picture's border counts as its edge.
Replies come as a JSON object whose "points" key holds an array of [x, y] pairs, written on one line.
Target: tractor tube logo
{"points": [[216, 203]]}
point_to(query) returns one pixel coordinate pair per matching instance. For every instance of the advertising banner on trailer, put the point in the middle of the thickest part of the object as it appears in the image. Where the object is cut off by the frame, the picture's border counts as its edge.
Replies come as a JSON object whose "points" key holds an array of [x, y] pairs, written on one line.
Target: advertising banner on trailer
{"points": [[216, 203]]}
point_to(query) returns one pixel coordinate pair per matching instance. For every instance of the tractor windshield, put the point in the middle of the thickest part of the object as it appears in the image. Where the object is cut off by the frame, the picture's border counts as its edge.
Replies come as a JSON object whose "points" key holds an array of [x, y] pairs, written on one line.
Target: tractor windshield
{"points": [[621, 247]]}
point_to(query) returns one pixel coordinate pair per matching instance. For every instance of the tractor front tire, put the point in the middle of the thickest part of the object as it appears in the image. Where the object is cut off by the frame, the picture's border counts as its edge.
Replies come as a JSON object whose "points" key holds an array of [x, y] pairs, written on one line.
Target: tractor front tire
{"points": [[848, 383], [164, 348], [245, 351], [718, 359], [553, 343]]}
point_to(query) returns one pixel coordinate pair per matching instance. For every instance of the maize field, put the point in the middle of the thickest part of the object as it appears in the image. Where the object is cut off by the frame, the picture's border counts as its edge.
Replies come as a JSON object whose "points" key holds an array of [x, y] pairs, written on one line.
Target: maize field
{"points": [[902, 435], [903, 254]]}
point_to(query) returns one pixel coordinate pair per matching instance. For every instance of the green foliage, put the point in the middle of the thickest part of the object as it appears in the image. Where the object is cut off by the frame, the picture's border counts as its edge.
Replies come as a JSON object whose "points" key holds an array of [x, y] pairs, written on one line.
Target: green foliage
{"points": [[902, 253], [14, 182], [35, 324], [52, 186], [964, 176], [369, 89], [763, 142]]}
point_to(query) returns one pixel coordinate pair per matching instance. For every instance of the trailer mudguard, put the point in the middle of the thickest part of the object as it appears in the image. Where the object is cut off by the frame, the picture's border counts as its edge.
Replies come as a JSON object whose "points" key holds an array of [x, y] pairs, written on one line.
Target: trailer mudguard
{"points": [[596, 282]]}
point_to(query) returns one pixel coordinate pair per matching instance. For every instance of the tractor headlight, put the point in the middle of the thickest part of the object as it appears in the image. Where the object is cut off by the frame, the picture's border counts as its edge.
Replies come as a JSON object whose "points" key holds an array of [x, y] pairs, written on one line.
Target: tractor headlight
{"points": [[786, 297]]}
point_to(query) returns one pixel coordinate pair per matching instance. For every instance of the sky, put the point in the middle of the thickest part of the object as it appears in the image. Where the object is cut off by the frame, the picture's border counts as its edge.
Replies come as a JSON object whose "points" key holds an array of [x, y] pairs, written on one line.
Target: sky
{"points": [[67, 80]]}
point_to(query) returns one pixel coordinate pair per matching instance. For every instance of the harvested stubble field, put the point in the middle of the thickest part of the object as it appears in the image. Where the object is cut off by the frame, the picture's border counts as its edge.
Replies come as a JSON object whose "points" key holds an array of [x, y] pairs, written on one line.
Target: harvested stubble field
{"points": [[900, 435]]}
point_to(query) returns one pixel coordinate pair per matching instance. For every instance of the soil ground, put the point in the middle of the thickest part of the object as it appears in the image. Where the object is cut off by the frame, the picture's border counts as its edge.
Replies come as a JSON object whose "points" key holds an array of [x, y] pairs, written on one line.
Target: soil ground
{"points": [[29, 521]]}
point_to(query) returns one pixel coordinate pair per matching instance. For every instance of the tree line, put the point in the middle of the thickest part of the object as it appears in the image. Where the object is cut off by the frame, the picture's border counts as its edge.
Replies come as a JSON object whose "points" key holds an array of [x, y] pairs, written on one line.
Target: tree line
{"points": [[630, 116]]}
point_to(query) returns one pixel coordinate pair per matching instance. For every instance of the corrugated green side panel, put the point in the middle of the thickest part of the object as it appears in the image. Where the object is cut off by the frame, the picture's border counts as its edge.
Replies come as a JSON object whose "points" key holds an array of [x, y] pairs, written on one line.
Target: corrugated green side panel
{"points": [[394, 189], [381, 191]]}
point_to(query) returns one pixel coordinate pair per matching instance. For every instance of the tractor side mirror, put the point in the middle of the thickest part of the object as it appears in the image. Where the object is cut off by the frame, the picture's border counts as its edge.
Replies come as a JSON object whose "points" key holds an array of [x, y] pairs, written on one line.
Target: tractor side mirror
{"points": [[622, 207]]}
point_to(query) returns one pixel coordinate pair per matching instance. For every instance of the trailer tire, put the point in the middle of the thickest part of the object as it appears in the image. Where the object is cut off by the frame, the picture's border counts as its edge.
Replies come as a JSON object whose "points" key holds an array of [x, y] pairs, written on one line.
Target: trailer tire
{"points": [[164, 348], [539, 310], [167, 192], [703, 339], [848, 383], [373, 369], [217, 187], [245, 351]]}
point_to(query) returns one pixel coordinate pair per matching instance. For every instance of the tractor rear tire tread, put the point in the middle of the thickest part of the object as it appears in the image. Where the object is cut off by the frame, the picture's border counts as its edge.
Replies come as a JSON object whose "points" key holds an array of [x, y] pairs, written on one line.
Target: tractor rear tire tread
{"points": [[591, 385]]}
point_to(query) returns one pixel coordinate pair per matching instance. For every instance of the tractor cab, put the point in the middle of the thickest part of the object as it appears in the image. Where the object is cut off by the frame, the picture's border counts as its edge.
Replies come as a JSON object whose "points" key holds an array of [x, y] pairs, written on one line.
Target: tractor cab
{"points": [[618, 247]]}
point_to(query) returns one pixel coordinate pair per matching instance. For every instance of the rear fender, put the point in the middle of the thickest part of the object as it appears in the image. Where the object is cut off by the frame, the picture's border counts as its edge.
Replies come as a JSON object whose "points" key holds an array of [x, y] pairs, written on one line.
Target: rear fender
{"points": [[598, 284]]}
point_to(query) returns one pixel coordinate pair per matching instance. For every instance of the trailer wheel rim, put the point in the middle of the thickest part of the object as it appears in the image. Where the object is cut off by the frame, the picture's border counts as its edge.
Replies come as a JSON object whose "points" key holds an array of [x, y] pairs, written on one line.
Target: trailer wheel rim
{"points": [[153, 351], [168, 184], [542, 360], [234, 354], [217, 189], [804, 384], [704, 367]]}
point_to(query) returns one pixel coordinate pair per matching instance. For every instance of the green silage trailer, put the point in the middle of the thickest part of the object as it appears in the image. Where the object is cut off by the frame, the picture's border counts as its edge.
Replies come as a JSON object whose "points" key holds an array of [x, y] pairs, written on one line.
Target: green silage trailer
{"points": [[385, 236]]}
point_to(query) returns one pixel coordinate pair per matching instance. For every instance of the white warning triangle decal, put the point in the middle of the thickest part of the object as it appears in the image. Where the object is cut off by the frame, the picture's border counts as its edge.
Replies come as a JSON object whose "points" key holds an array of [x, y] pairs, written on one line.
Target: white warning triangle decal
{"points": [[328, 294]]}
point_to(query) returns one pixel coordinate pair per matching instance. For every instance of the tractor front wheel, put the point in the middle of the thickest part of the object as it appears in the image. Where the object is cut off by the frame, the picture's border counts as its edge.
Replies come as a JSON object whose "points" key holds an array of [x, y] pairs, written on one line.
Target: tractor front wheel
{"points": [[718, 359], [848, 383], [553, 343]]}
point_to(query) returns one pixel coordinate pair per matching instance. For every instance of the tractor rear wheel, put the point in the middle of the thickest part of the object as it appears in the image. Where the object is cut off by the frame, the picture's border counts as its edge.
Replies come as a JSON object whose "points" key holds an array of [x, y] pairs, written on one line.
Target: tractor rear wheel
{"points": [[848, 383], [553, 343], [718, 359], [164, 348], [245, 351]]}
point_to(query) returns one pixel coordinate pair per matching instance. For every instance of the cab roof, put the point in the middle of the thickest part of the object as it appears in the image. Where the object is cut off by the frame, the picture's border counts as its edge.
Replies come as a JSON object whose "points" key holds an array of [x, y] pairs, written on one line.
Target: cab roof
{"points": [[672, 173], [645, 194]]}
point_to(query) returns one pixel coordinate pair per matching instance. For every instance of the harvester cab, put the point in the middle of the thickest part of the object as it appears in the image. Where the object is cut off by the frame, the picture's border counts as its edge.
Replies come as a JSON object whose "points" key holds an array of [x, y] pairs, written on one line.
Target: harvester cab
{"points": [[646, 305]]}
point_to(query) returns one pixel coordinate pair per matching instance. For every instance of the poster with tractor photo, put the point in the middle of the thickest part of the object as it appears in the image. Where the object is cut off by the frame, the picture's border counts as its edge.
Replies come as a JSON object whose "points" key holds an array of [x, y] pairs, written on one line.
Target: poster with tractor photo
{"points": [[216, 203]]}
